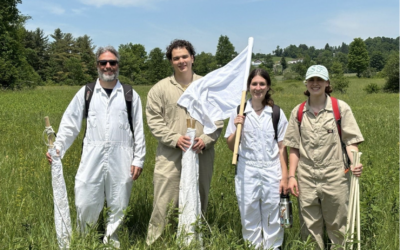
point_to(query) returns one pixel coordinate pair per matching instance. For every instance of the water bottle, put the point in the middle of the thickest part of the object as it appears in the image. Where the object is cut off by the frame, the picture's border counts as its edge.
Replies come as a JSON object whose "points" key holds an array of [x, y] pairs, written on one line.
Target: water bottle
{"points": [[285, 211]]}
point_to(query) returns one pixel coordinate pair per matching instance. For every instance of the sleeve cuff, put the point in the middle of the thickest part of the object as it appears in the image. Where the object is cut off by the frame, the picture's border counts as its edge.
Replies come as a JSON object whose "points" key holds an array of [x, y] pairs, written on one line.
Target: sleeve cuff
{"points": [[206, 140], [174, 141], [357, 140], [137, 163], [290, 144], [60, 149]]}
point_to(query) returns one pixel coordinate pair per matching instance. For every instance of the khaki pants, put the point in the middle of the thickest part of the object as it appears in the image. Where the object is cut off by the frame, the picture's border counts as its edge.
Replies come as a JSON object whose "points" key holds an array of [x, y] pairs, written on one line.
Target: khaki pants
{"points": [[166, 190], [324, 193]]}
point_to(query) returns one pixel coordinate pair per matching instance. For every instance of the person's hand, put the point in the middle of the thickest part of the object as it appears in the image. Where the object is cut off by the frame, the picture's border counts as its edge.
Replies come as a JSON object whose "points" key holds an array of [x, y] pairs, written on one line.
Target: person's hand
{"points": [[283, 186], [199, 145], [135, 172], [239, 120], [293, 187], [357, 170], [49, 156], [183, 142]]}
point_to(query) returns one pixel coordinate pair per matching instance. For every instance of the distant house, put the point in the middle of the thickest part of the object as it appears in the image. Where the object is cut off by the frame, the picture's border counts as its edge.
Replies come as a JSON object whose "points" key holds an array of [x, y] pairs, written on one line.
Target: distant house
{"points": [[295, 61], [256, 62]]}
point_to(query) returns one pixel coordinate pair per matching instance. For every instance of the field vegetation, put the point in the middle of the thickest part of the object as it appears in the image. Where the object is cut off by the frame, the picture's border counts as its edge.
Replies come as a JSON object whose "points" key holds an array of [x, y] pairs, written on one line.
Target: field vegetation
{"points": [[26, 207]]}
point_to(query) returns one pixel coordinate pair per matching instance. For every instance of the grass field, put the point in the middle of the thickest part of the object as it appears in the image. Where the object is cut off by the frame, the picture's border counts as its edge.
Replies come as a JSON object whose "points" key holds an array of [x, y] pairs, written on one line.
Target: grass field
{"points": [[26, 203]]}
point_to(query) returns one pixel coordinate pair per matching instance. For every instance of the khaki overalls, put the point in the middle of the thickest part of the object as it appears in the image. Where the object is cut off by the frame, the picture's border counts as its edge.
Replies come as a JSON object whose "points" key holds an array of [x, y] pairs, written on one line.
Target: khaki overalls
{"points": [[323, 185]]}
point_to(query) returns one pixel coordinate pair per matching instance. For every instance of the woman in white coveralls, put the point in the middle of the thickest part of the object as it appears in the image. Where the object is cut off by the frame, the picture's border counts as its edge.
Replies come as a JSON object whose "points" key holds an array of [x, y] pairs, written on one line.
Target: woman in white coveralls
{"points": [[262, 165]]}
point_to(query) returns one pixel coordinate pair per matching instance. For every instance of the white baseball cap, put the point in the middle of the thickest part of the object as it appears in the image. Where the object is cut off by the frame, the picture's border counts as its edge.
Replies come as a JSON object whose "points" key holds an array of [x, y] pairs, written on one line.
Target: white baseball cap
{"points": [[318, 71]]}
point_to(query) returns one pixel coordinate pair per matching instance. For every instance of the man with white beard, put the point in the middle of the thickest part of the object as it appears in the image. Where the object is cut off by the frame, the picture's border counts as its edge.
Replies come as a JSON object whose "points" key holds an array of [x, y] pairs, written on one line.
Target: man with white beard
{"points": [[113, 148]]}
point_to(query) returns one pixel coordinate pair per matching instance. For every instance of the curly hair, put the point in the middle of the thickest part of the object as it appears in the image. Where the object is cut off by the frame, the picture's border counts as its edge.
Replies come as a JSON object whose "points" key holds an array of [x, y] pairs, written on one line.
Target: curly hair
{"points": [[180, 44], [264, 74]]}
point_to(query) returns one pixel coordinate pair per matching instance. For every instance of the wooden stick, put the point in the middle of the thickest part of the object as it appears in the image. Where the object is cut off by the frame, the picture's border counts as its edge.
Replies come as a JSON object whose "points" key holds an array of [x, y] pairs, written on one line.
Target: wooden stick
{"points": [[188, 122], [358, 215], [349, 208], [355, 198], [238, 129], [353, 217], [351, 199], [51, 137], [358, 208]]}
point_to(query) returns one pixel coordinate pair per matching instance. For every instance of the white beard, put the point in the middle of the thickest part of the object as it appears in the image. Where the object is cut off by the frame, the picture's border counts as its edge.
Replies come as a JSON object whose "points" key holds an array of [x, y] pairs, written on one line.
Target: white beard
{"points": [[108, 78]]}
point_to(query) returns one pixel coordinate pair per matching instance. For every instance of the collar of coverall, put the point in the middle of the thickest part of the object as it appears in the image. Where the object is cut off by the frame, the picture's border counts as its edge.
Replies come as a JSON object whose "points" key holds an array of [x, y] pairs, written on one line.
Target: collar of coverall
{"points": [[328, 104], [249, 108], [98, 87], [174, 82]]}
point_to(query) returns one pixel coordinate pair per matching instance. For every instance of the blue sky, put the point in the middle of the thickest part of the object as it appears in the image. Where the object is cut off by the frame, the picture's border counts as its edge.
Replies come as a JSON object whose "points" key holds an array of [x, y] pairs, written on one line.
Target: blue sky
{"points": [[155, 23]]}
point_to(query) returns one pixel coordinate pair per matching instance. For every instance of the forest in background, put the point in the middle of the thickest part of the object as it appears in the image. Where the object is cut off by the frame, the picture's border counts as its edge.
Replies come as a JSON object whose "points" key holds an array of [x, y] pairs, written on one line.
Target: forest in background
{"points": [[30, 58]]}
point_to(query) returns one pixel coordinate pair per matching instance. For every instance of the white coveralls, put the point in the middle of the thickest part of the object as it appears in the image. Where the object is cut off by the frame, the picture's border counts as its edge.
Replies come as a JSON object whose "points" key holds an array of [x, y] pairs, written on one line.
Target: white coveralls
{"points": [[258, 177], [109, 151]]}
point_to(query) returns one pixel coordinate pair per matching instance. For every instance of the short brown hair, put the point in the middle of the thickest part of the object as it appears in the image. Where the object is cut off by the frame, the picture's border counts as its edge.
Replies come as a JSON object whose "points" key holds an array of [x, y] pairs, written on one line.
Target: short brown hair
{"points": [[180, 44]]}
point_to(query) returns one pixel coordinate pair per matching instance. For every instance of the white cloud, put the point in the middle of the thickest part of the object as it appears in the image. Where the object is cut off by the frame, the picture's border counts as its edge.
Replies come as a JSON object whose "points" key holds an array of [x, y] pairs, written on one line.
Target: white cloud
{"points": [[122, 3]]}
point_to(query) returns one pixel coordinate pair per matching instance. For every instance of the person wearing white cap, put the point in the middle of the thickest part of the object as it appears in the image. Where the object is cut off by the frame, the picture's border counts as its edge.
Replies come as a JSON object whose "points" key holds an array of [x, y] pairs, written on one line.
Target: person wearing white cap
{"points": [[316, 154]]}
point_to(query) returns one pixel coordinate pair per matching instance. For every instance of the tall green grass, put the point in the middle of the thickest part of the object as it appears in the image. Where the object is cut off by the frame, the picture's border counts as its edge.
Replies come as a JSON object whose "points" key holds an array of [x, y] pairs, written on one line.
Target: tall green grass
{"points": [[26, 204]]}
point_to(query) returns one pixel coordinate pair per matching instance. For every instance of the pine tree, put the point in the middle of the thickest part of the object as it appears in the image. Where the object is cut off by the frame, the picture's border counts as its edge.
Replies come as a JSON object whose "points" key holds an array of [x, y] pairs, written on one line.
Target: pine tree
{"points": [[225, 51]]}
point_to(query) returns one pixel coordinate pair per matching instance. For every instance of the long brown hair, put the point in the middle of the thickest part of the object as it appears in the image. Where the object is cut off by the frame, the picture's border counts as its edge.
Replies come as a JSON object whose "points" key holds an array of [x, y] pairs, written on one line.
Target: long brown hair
{"points": [[264, 74]]}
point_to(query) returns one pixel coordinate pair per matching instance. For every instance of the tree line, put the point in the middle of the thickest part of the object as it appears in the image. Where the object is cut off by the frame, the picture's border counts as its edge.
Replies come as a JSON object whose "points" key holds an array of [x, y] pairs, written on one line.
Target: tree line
{"points": [[31, 58], [378, 56]]}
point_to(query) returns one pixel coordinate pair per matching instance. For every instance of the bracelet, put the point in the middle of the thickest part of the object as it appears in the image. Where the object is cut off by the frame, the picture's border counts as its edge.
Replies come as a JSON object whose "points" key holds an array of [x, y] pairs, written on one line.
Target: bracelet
{"points": [[292, 176]]}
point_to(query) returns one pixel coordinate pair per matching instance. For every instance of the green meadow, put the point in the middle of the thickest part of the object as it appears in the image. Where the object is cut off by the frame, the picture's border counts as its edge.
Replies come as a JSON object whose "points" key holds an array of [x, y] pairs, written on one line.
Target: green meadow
{"points": [[26, 202]]}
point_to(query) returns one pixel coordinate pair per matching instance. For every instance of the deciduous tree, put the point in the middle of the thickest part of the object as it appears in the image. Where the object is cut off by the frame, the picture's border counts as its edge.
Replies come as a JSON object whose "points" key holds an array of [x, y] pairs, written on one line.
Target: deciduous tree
{"points": [[205, 63], [15, 71], [377, 60], [391, 71], [358, 56], [133, 62], [283, 63], [158, 66], [339, 82]]}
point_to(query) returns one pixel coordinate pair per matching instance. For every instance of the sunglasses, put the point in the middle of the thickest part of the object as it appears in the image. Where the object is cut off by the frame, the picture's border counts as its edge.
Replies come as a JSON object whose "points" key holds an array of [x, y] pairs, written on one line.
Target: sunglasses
{"points": [[104, 62]]}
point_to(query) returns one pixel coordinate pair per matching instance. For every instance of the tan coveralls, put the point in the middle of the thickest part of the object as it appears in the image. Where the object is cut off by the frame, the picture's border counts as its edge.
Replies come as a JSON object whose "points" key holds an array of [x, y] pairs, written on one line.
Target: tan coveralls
{"points": [[324, 187], [167, 122]]}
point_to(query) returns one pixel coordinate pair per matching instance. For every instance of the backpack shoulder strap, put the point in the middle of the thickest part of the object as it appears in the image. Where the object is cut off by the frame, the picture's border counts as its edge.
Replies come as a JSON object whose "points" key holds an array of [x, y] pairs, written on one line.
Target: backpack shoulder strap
{"points": [[300, 114], [89, 88], [238, 109], [336, 113], [276, 115], [128, 94]]}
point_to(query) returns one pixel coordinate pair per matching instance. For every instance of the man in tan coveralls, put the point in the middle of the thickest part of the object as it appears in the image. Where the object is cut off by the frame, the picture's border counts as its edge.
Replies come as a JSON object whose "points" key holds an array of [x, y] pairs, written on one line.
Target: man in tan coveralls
{"points": [[167, 122], [316, 154]]}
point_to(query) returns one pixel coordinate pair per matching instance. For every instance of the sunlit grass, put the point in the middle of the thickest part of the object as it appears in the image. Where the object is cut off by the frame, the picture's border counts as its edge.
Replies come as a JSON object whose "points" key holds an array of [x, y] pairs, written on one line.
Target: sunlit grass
{"points": [[26, 207]]}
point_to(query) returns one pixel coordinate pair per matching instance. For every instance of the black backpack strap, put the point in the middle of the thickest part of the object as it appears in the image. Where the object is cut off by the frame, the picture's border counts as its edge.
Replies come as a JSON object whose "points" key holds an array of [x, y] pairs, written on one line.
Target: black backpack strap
{"points": [[238, 109], [128, 94], [244, 114], [89, 88], [276, 115]]}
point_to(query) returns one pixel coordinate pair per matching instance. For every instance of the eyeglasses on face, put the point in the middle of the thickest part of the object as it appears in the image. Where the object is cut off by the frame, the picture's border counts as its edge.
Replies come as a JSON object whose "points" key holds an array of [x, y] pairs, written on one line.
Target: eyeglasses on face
{"points": [[104, 62]]}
